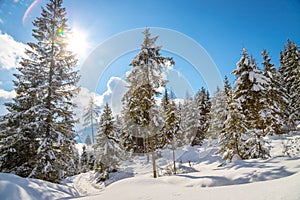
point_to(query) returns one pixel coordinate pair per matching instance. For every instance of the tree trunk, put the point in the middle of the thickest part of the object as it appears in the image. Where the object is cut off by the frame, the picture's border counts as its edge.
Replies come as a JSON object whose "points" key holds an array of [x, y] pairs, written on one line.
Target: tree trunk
{"points": [[147, 145], [153, 158], [92, 123], [173, 149]]}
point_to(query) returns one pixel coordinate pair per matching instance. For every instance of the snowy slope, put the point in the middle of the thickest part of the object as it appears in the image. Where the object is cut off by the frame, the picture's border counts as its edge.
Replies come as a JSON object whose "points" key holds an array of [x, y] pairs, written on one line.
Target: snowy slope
{"points": [[13, 187], [204, 177], [156, 189], [275, 178]]}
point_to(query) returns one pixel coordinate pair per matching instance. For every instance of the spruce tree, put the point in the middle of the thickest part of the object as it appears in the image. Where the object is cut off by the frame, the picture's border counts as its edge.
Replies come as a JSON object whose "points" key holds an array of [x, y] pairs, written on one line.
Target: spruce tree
{"points": [[180, 136], [40, 123], [227, 88], [165, 100], [163, 139], [199, 120], [249, 90], [186, 112], [21, 126], [106, 146], [91, 114], [289, 71], [232, 139], [129, 133], [88, 140], [172, 127], [84, 160], [144, 80], [273, 98], [218, 113]]}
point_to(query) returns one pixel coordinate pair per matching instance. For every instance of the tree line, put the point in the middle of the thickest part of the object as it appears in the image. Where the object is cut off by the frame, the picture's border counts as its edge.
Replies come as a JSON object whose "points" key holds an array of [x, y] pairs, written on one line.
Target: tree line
{"points": [[261, 103]]}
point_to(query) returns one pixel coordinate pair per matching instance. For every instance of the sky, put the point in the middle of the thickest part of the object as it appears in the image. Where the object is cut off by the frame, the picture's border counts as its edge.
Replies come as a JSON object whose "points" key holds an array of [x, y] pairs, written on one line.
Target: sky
{"points": [[218, 28]]}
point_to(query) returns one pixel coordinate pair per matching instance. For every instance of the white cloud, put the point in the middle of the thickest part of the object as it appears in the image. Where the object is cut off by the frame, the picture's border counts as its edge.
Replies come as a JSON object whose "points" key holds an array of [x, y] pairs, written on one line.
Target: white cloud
{"points": [[10, 52], [1, 21], [179, 84], [1, 82], [116, 88], [81, 101], [7, 95]]}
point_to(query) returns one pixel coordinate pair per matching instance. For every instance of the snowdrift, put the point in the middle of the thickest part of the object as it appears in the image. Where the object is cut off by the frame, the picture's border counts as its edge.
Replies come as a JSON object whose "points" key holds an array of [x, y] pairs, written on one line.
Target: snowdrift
{"points": [[158, 189], [13, 187]]}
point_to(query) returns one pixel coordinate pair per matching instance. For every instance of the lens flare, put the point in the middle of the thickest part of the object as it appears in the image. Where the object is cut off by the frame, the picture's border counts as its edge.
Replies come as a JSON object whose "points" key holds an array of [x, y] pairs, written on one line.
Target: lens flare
{"points": [[61, 32], [29, 9]]}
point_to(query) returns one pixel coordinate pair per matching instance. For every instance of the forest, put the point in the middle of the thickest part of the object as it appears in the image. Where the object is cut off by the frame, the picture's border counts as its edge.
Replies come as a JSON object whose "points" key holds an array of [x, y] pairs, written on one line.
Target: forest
{"points": [[37, 134]]}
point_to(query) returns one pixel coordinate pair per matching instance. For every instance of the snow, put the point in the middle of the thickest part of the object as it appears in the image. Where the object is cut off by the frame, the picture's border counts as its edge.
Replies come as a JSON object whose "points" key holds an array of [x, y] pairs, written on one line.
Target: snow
{"points": [[146, 189], [202, 175], [13, 187]]}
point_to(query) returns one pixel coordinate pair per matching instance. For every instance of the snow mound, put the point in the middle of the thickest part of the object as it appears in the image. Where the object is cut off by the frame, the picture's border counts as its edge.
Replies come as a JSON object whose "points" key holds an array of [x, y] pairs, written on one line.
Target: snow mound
{"points": [[158, 189], [13, 187]]}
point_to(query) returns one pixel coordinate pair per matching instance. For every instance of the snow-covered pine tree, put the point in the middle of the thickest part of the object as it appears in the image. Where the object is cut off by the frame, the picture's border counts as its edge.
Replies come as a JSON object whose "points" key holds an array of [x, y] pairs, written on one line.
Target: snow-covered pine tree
{"points": [[180, 140], [172, 127], [56, 151], [40, 121], [227, 89], [185, 113], [232, 138], [199, 120], [90, 117], [273, 98], [289, 71], [88, 140], [163, 139], [249, 87], [106, 146], [118, 125], [218, 113], [84, 160], [20, 128], [145, 78], [128, 134], [165, 100]]}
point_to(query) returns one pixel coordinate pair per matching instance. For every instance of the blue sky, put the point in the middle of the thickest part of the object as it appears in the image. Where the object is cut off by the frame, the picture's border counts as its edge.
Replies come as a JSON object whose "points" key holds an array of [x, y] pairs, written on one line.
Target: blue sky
{"points": [[221, 27]]}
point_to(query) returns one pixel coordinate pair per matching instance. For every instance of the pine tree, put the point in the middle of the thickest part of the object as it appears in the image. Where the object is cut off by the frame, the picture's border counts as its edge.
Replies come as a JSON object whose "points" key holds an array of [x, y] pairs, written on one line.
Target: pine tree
{"points": [[40, 123], [172, 127], [227, 88], [248, 93], [218, 113], [106, 146], [232, 139], [273, 98], [163, 139], [88, 140], [165, 100], [90, 116], [180, 136], [185, 113], [199, 120], [144, 80], [84, 160], [290, 81], [18, 138]]}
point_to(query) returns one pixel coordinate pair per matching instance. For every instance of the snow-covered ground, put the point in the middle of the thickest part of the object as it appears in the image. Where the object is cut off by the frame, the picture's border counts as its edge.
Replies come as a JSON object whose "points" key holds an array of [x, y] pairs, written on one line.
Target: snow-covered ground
{"points": [[204, 177], [16, 188]]}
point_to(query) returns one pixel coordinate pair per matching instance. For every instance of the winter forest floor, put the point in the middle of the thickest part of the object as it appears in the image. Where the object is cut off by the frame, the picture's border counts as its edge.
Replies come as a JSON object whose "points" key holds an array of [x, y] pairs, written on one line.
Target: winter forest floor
{"points": [[205, 177]]}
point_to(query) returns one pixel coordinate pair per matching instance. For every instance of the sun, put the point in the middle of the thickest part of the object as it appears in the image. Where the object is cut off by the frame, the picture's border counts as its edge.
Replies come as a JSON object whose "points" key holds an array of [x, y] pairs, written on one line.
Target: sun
{"points": [[77, 42]]}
